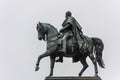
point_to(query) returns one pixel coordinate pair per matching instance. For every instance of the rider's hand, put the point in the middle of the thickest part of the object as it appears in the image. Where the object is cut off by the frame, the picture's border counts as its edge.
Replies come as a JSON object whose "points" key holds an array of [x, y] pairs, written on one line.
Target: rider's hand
{"points": [[61, 30]]}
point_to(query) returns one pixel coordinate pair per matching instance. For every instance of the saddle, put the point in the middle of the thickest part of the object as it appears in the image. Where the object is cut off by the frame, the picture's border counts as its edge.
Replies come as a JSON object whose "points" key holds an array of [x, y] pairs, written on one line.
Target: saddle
{"points": [[71, 42]]}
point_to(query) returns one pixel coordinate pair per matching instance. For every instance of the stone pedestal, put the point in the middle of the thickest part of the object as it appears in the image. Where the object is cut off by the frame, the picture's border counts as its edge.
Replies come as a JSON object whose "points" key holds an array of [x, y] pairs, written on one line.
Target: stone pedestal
{"points": [[73, 78]]}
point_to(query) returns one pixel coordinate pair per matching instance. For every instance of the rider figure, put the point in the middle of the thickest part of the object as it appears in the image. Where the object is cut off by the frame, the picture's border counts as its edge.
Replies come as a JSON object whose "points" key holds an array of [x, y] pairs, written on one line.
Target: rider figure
{"points": [[71, 28]]}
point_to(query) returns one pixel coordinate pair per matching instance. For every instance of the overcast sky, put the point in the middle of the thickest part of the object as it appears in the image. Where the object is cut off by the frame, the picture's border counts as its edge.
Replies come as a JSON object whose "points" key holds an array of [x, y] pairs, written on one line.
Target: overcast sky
{"points": [[19, 46]]}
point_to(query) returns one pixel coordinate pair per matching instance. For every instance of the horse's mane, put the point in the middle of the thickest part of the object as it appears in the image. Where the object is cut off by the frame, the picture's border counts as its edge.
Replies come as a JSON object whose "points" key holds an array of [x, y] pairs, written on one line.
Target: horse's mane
{"points": [[52, 27]]}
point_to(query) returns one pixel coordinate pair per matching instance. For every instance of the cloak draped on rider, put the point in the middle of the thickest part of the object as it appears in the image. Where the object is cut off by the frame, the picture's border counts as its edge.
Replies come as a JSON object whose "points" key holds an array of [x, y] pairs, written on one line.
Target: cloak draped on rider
{"points": [[76, 29]]}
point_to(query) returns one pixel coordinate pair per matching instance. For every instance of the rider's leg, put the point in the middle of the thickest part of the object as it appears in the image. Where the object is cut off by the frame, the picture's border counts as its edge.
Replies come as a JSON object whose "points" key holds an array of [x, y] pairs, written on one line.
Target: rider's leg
{"points": [[64, 43], [64, 40]]}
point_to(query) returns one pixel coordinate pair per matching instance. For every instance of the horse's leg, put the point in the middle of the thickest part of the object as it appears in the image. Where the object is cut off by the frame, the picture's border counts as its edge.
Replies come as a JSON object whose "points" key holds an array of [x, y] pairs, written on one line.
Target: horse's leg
{"points": [[95, 63], [85, 65], [52, 59], [49, 52], [39, 58]]}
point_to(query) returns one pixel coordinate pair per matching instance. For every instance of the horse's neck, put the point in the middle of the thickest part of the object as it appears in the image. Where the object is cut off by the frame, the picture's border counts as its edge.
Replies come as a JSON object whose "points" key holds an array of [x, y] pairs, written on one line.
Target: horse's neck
{"points": [[51, 32]]}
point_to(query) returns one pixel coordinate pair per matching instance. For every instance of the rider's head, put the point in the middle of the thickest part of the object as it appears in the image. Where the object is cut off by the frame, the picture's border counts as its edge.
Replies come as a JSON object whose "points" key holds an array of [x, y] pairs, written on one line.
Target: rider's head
{"points": [[68, 14]]}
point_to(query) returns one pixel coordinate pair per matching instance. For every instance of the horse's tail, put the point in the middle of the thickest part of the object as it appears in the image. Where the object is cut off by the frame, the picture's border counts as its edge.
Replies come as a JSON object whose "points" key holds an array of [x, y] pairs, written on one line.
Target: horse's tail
{"points": [[99, 46]]}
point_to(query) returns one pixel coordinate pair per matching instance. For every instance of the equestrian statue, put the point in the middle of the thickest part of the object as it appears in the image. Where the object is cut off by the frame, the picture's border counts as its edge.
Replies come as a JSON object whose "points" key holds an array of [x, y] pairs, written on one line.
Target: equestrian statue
{"points": [[71, 43]]}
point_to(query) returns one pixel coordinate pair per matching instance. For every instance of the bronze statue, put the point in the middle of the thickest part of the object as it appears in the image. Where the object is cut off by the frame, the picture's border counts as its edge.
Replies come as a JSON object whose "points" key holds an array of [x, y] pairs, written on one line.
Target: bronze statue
{"points": [[71, 43], [71, 28]]}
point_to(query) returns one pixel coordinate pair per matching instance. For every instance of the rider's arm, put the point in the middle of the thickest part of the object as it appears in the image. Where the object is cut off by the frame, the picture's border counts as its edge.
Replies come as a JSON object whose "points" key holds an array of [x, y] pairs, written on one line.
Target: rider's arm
{"points": [[65, 27]]}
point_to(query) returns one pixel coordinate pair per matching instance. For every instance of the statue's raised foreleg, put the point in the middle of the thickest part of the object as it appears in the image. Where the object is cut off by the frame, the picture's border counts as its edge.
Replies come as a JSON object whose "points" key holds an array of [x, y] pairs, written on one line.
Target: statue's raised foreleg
{"points": [[85, 65], [49, 52]]}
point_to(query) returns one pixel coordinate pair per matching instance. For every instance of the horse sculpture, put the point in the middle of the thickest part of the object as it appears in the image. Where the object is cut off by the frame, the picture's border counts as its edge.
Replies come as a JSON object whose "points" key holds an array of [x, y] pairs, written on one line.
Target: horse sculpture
{"points": [[50, 34]]}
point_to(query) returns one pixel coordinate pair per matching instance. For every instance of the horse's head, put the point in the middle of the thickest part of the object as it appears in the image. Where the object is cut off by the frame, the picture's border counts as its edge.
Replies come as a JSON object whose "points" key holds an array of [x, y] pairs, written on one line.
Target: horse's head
{"points": [[46, 32], [41, 31]]}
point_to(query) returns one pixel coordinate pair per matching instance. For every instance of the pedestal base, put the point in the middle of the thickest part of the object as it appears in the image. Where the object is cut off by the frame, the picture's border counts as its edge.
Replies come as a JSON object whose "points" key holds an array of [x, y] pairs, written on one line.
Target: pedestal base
{"points": [[72, 78]]}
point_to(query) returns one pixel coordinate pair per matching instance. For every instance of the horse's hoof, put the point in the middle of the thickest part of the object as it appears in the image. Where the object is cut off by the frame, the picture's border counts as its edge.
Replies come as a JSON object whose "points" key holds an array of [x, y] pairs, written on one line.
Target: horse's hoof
{"points": [[36, 68], [79, 75], [50, 75], [96, 75]]}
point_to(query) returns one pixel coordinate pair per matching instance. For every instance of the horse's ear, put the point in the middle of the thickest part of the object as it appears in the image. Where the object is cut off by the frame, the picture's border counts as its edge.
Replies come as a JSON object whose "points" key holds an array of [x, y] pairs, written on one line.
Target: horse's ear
{"points": [[39, 23]]}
